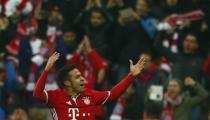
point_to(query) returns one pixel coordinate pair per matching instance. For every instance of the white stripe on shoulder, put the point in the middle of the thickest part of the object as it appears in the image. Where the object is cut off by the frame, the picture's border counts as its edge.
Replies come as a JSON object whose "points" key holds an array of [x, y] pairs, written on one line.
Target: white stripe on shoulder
{"points": [[46, 96], [54, 114], [106, 97]]}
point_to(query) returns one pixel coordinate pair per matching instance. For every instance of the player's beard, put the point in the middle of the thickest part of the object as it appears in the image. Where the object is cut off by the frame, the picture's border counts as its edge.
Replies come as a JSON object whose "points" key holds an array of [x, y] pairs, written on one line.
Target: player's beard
{"points": [[79, 88]]}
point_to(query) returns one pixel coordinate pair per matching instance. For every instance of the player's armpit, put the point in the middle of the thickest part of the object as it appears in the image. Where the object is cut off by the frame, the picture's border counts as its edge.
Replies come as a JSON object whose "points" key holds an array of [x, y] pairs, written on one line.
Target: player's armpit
{"points": [[43, 97], [118, 89], [101, 96]]}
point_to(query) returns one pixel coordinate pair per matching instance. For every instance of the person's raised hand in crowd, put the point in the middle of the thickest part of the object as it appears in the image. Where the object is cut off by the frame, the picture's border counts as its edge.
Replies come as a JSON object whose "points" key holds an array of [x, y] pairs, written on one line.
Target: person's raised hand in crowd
{"points": [[115, 3], [84, 46], [51, 61], [189, 81], [139, 66], [87, 46], [93, 3], [19, 114], [98, 3], [80, 48]]}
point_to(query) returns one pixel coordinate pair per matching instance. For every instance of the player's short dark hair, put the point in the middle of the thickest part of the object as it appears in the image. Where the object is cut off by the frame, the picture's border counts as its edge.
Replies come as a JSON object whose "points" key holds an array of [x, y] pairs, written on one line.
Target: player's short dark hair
{"points": [[63, 74]]}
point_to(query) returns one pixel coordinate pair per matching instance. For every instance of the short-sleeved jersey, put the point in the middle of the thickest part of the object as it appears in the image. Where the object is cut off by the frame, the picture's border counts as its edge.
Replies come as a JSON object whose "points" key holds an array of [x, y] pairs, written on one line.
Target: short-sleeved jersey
{"points": [[82, 107]]}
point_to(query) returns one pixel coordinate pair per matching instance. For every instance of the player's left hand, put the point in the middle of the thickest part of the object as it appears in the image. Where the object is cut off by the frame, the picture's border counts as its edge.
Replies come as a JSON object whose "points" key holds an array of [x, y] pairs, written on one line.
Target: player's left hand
{"points": [[52, 59], [138, 67]]}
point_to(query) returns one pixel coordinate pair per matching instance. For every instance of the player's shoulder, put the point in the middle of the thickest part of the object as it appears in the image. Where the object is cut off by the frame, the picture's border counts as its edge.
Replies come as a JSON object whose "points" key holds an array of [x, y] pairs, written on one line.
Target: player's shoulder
{"points": [[92, 92], [88, 92], [55, 92]]}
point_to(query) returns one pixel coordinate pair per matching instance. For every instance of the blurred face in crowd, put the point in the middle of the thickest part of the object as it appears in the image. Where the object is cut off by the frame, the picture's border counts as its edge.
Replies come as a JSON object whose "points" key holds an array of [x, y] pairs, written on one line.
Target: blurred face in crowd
{"points": [[4, 23], [69, 37], [129, 91], [190, 44], [142, 7], [149, 59], [55, 19], [76, 81], [174, 88], [97, 19], [171, 2]]}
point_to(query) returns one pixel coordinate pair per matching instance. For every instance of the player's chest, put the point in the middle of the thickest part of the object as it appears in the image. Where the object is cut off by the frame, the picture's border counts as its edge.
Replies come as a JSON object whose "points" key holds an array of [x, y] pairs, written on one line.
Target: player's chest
{"points": [[81, 108]]}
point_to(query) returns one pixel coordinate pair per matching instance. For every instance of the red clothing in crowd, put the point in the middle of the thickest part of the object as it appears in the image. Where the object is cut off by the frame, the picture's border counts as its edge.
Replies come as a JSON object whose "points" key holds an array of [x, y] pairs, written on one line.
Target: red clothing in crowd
{"points": [[10, 6], [1, 8], [206, 67], [90, 66], [147, 74]]}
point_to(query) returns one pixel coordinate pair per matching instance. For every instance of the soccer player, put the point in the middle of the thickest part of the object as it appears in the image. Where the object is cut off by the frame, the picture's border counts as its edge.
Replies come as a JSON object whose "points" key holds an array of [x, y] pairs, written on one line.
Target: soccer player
{"points": [[72, 101]]}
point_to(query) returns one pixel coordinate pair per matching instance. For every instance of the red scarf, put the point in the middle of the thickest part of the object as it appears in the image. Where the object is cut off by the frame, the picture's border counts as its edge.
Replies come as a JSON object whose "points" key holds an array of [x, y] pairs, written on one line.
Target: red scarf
{"points": [[147, 74], [119, 107], [169, 106]]}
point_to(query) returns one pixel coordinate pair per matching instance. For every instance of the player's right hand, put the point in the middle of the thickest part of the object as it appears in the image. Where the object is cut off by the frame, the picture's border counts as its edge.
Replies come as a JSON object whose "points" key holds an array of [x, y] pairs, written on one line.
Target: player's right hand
{"points": [[52, 59]]}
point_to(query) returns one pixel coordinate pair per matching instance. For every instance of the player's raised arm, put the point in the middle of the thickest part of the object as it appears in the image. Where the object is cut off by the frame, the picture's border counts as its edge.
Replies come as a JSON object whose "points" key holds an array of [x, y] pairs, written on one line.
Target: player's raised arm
{"points": [[136, 69], [39, 89]]}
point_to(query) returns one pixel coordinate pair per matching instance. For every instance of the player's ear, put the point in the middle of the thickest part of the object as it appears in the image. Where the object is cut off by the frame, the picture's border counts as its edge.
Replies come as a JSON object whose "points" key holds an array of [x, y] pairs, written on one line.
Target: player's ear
{"points": [[67, 83]]}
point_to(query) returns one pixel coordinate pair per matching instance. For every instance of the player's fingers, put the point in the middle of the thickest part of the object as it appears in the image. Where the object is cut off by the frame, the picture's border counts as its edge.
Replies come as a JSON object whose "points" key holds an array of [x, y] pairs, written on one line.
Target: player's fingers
{"points": [[54, 54], [131, 62], [57, 55], [142, 63], [140, 60]]}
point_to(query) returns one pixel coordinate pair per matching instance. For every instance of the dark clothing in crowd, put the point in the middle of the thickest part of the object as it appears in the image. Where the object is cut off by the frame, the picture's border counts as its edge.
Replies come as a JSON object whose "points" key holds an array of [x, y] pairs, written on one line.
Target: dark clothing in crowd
{"points": [[182, 111], [133, 40], [183, 64]]}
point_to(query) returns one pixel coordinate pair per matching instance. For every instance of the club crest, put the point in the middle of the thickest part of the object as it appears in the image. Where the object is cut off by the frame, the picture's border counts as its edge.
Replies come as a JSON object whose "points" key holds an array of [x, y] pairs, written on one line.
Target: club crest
{"points": [[86, 100], [68, 103]]}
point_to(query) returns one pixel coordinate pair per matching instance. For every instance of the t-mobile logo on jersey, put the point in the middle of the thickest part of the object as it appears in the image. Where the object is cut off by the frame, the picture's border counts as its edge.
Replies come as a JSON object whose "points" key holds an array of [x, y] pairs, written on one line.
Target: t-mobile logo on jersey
{"points": [[73, 113]]}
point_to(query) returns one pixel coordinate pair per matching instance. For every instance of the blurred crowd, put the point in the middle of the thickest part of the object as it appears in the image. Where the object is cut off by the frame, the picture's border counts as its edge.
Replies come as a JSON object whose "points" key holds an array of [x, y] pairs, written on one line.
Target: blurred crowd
{"points": [[99, 37]]}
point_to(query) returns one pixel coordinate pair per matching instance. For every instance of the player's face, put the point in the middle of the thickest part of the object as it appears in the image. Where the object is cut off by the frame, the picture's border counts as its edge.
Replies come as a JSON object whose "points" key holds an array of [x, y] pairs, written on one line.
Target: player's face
{"points": [[174, 88], [77, 81]]}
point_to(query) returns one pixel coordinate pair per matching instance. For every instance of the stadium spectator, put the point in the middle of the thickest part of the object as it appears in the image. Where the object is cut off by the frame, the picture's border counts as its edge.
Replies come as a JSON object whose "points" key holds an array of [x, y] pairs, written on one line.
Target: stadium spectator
{"points": [[177, 104], [153, 111], [90, 63], [186, 62], [123, 108], [19, 114], [118, 30]]}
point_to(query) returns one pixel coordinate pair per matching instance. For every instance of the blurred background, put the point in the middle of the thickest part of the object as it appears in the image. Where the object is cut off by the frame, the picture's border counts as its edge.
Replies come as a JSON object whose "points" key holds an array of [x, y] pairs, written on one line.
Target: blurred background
{"points": [[99, 37]]}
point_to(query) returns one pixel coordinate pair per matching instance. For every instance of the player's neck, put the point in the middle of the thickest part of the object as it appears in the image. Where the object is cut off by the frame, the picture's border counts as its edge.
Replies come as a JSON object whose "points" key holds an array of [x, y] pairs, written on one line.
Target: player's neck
{"points": [[71, 92]]}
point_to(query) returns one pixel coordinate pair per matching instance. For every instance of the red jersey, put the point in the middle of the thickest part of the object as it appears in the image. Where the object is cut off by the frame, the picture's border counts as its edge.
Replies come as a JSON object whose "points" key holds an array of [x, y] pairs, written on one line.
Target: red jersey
{"points": [[82, 107], [65, 107]]}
